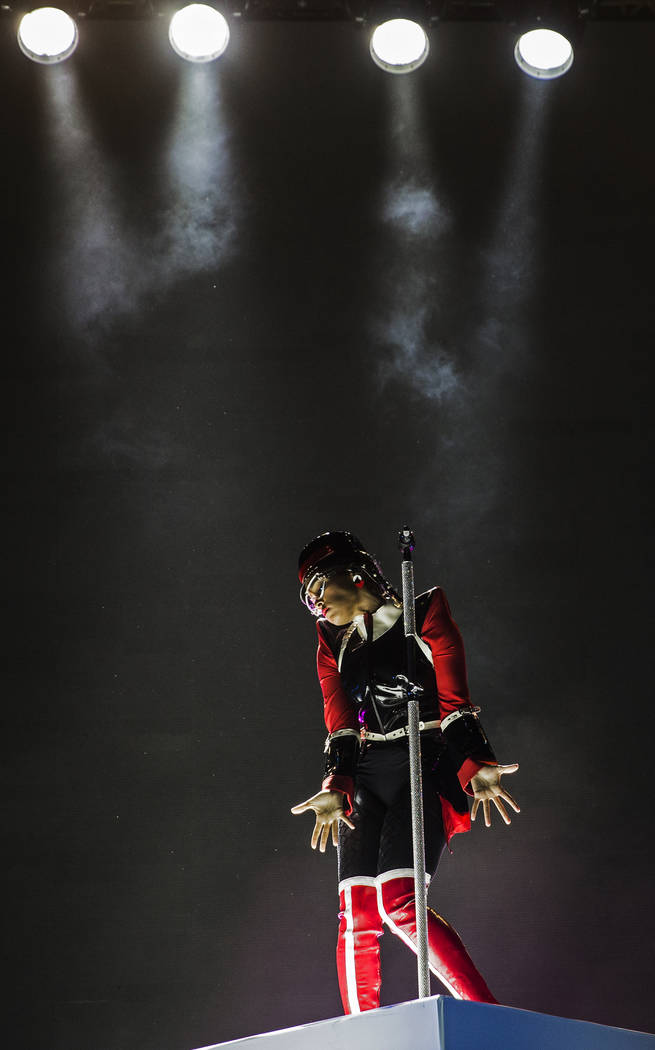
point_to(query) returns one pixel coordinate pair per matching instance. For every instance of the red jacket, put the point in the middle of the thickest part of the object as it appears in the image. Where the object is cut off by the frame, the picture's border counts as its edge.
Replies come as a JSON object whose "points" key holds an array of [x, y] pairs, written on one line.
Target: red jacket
{"points": [[446, 681]]}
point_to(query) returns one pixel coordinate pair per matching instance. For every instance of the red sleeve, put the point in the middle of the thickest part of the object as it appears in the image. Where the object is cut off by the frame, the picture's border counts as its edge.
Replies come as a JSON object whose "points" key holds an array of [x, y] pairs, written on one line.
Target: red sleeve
{"points": [[339, 712], [442, 635]]}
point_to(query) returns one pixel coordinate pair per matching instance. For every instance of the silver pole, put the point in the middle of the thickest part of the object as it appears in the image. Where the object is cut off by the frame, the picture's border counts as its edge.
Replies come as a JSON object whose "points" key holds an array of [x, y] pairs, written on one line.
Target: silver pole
{"points": [[406, 542]]}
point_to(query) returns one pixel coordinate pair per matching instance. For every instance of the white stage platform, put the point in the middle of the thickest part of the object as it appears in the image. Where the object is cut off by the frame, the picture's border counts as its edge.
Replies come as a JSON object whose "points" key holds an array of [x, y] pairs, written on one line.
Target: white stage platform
{"points": [[442, 1023]]}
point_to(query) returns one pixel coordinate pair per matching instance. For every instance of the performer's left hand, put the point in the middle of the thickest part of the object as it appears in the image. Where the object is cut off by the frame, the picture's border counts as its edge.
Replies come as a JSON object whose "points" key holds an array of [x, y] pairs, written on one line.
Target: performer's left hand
{"points": [[487, 788]]}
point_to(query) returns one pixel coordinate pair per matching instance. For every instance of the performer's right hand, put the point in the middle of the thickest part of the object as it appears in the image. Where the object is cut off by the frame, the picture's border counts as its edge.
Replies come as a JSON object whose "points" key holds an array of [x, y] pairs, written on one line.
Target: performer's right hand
{"points": [[328, 807]]}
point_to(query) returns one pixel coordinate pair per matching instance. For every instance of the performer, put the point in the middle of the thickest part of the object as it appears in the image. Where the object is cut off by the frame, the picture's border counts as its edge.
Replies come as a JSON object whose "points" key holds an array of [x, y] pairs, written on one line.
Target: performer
{"points": [[364, 805]]}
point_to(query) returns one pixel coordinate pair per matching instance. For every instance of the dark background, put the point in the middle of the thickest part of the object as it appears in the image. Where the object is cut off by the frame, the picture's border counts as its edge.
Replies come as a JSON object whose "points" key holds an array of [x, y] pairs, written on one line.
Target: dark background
{"points": [[250, 301]]}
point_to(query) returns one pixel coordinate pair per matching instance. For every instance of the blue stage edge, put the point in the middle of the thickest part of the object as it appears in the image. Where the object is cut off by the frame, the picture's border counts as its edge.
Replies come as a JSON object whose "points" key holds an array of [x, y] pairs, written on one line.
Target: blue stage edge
{"points": [[442, 1023]]}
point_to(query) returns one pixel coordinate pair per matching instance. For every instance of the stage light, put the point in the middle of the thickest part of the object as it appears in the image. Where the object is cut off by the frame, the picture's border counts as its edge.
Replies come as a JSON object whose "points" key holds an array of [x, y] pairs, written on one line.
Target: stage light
{"points": [[399, 45], [544, 53], [199, 33], [47, 35]]}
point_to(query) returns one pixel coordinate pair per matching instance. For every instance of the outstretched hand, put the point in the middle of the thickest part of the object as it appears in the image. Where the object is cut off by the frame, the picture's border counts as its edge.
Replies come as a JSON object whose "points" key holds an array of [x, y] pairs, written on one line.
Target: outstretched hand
{"points": [[487, 788], [328, 807]]}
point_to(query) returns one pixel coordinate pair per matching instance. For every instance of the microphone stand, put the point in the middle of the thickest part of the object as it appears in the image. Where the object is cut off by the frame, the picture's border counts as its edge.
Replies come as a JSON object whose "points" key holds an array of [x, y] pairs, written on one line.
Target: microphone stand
{"points": [[406, 544]]}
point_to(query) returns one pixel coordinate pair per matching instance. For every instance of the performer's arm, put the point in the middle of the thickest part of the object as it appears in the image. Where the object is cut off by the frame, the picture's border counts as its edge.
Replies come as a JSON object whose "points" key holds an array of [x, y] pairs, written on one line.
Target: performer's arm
{"points": [[479, 772], [334, 802], [464, 733], [341, 723]]}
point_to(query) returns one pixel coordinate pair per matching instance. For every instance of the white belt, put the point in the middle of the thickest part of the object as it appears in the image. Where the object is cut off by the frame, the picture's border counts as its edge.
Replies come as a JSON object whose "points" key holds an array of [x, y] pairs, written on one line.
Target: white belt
{"points": [[396, 734]]}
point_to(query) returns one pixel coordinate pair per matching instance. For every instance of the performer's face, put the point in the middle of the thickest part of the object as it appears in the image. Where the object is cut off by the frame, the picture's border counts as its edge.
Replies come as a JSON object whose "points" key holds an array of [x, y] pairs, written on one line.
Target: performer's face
{"points": [[339, 601]]}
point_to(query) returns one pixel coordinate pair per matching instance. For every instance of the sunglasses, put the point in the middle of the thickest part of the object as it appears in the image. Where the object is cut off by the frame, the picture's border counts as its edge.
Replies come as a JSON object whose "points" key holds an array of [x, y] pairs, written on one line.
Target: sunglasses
{"points": [[313, 599]]}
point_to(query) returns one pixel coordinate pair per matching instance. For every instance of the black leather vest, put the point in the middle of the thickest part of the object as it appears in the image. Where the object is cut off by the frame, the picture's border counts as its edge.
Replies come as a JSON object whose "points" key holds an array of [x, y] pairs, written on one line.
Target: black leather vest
{"points": [[369, 669]]}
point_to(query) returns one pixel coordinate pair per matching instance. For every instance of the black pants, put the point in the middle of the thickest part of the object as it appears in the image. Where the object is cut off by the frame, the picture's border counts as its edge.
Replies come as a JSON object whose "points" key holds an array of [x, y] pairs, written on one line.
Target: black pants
{"points": [[382, 812]]}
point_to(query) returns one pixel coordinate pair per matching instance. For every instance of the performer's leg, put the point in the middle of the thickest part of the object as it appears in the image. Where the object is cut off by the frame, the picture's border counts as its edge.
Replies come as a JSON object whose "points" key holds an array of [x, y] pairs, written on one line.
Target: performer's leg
{"points": [[447, 956], [360, 925], [448, 959], [358, 950]]}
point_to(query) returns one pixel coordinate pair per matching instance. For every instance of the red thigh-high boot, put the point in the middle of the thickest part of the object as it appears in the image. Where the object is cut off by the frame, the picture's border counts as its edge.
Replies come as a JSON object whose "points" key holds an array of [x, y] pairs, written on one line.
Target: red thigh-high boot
{"points": [[448, 958], [358, 949]]}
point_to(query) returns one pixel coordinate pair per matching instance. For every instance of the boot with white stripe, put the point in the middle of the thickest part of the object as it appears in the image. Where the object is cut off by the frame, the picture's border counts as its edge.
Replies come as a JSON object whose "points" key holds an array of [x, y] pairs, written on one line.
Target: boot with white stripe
{"points": [[448, 959], [358, 948]]}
